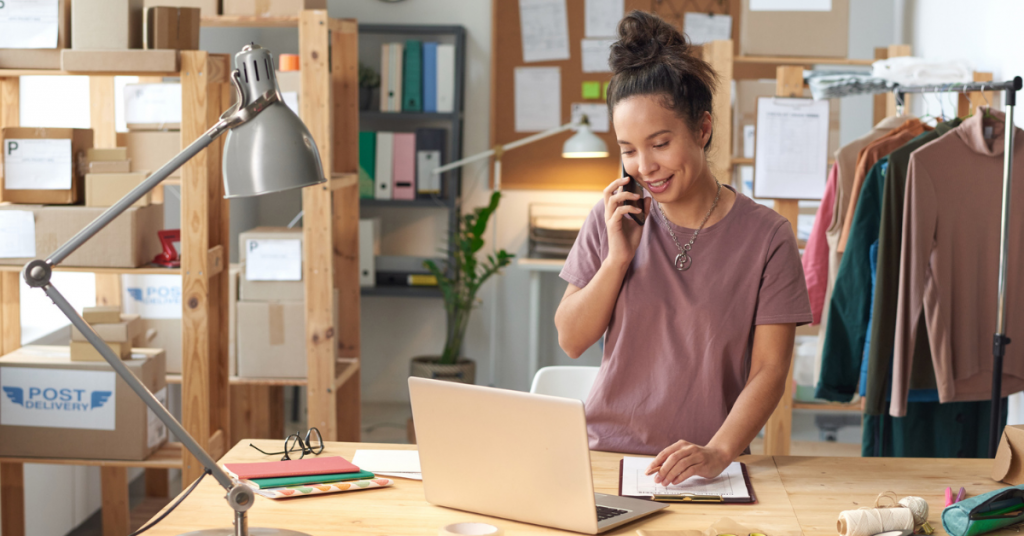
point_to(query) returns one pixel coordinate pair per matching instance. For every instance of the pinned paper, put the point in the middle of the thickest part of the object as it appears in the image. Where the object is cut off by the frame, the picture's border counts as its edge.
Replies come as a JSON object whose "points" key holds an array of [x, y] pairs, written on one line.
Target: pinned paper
{"points": [[791, 5], [273, 259], [791, 155], [597, 115], [18, 239], [596, 53], [591, 90], [706, 27], [37, 164], [538, 98], [603, 16], [29, 23], [545, 30]]}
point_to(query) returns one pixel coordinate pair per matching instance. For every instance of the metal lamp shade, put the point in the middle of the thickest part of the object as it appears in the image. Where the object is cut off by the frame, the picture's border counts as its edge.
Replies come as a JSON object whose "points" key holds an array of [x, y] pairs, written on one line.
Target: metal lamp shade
{"points": [[584, 144]]}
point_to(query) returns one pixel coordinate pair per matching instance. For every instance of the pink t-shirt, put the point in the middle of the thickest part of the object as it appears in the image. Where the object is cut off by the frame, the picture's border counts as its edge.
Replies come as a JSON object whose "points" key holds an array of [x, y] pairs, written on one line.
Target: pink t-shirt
{"points": [[677, 350], [815, 258]]}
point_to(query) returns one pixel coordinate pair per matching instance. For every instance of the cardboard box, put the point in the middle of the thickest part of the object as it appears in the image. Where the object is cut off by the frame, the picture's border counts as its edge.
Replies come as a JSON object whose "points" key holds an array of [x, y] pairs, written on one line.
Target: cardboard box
{"points": [[84, 351], [27, 234], [117, 166], [102, 314], [41, 58], [109, 154], [263, 290], [271, 8], [120, 61], [128, 329], [207, 8], [80, 410], [105, 189], [272, 338], [165, 333], [1008, 466], [33, 175], [149, 151], [175, 28], [106, 24], [129, 241], [795, 33]]}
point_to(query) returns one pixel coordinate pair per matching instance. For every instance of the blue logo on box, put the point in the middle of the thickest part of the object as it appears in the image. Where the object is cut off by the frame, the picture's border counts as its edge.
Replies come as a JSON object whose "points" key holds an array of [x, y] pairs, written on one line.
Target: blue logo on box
{"points": [[57, 399], [156, 294]]}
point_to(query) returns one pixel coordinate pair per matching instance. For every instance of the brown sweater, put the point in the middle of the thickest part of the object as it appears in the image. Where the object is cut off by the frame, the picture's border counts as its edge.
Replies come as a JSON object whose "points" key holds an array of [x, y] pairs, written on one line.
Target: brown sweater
{"points": [[949, 262]]}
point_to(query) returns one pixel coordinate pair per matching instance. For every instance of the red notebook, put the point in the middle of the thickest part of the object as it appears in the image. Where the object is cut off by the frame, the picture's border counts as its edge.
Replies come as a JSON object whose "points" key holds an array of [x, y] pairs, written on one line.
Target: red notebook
{"points": [[303, 467]]}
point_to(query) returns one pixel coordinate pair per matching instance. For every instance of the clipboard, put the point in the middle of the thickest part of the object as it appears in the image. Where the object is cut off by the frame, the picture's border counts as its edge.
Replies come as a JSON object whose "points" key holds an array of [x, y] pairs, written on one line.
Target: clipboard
{"points": [[682, 500]]}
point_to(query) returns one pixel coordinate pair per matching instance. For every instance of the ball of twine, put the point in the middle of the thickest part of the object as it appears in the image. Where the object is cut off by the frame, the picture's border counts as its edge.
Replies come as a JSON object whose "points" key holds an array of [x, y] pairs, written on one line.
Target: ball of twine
{"points": [[918, 507]]}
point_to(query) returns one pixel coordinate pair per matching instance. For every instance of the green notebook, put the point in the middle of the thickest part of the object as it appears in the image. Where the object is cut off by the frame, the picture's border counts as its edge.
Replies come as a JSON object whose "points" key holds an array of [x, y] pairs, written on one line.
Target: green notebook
{"points": [[367, 163], [412, 77], [265, 483]]}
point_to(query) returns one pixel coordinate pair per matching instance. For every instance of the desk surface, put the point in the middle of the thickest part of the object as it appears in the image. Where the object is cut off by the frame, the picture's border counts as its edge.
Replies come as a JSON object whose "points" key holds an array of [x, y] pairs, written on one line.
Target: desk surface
{"points": [[795, 495]]}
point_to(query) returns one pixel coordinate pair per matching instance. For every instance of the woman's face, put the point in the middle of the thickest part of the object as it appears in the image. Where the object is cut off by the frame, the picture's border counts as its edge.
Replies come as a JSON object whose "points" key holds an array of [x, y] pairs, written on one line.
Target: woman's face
{"points": [[658, 148]]}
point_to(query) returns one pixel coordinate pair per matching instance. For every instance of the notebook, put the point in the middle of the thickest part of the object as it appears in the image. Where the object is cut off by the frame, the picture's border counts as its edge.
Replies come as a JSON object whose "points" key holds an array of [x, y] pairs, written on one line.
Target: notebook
{"points": [[732, 486], [304, 467], [263, 483]]}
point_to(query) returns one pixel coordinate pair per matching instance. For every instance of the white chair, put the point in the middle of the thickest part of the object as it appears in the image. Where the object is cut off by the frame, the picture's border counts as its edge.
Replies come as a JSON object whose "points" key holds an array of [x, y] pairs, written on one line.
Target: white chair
{"points": [[566, 382]]}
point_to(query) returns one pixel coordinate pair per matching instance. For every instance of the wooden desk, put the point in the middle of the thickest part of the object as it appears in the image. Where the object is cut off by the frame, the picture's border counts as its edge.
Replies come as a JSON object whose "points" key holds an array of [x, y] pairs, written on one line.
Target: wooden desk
{"points": [[795, 495]]}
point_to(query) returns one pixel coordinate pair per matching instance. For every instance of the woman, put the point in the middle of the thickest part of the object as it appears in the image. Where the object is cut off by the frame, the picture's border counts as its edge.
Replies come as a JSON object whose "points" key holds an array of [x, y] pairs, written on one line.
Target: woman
{"points": [[700, 304]]}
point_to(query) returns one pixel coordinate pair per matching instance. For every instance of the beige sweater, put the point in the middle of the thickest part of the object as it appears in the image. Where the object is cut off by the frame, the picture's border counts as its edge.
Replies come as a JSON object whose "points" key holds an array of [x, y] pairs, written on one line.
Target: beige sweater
{"points": [[950, 262]]}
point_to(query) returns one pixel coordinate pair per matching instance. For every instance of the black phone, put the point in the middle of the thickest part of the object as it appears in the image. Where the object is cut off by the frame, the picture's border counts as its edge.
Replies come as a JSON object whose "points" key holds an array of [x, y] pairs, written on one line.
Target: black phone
{"points": [[634, 186]]}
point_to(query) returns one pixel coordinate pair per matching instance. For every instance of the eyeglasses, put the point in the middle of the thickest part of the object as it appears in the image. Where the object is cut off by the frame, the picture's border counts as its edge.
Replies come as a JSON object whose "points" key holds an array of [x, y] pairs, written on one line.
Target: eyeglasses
{"points": [[312, 444]]}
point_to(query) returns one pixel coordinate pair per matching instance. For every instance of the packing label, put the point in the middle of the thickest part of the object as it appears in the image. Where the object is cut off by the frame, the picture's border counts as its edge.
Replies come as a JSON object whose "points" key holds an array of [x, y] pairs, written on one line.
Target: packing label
{"points": [[53, 398], [34, 164], [152, 103], [151, 296], [29, 23], [156, 429], [273, 259], [18, 238]]}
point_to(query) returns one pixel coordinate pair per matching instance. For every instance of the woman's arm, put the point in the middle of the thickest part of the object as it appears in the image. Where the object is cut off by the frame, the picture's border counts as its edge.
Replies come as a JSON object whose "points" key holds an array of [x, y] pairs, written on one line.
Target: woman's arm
{"points": [[584, 313], [770, 358]]}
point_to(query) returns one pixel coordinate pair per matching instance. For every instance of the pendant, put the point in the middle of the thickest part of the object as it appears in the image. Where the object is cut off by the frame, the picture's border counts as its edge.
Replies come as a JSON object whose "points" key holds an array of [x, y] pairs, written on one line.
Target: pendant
{"points": [[683, 262]]}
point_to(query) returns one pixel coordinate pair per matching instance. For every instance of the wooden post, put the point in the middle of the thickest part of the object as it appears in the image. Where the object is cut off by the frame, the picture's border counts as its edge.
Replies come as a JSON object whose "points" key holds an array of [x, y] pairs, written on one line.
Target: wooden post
{"points": [[204, 211], [12, 499], [9, 112], [789, 82], [881, 99], [10, 314], [116, 514], [257, 412], [967, 103], [719, 55], [896, 51], [101, 111]]}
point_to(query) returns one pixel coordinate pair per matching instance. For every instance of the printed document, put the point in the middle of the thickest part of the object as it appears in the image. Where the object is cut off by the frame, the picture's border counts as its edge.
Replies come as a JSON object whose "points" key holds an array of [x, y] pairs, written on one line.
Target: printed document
{"points": [[597, 114], [791, 5], [544, 25], [28, 23], [728, 485], [37, 164], [538, 98], [596, 53], [273, 259], [791, 148], [706, 27], [603, 16], [399, 463]]}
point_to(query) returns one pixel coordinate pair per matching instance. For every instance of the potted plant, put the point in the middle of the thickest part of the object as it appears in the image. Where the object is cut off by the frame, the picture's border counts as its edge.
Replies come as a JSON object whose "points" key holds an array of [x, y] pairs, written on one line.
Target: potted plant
{"points": [[459, 283], [368, 80]]}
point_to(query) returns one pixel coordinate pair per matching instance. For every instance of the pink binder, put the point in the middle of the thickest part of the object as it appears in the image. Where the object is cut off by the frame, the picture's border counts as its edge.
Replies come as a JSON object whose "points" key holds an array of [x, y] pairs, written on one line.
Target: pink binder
{"points": [[404, 186]]}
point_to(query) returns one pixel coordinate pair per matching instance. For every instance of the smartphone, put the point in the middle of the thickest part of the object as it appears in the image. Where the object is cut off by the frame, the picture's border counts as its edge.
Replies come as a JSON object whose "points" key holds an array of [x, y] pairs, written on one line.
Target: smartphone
{"points": [[634, 186]]}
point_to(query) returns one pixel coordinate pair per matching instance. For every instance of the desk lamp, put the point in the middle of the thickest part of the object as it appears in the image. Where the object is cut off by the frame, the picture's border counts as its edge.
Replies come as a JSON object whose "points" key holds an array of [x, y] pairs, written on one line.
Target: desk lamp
{"points": [[268, 149]]}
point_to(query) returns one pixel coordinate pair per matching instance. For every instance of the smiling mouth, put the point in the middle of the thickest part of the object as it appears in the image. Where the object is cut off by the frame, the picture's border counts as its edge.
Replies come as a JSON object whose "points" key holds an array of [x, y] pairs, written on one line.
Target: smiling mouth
{"points": [[661, 183]]}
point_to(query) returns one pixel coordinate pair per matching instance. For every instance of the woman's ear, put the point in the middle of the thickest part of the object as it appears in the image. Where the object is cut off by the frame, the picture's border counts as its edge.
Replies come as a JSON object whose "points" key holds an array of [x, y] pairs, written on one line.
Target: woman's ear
{"points": [[707, 126]]}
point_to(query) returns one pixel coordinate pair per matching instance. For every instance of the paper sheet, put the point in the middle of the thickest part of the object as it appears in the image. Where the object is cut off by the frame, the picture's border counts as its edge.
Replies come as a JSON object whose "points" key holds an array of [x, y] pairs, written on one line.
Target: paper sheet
{"points": [[28, 23], [273, 259], [597, 114], [18, 239], [705, 27], [596, 53], [538, 98], [387, 461], [791, 5], [544, 25], [37, 164], [791, 148], [728, 485], [152, 103], [603, 16]]}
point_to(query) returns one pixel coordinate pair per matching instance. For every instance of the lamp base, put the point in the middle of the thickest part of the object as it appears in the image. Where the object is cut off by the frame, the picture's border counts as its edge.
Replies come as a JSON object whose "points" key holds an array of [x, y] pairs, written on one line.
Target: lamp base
{"points": [[259, 531]]}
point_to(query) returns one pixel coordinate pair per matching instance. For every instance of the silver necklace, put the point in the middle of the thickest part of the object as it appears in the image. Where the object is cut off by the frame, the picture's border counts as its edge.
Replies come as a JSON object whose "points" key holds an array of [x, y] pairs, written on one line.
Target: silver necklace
{"points": [[683, 260]]}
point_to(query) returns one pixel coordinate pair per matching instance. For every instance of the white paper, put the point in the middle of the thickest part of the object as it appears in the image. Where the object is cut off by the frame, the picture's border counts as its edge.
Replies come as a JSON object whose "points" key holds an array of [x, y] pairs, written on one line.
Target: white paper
{"points": [[791, 148], [156, 430], [151, 296], [34, 164], [18, 239], [728, 485], [28, 23], [51, 398], [603, 16], [597, 114], [596, 53], [748, 140], [544, 26], [791, 5], [706, 27], [538, 98], [410, 476], [387, 461], [152, 103], [291, 99], [273, 259]]}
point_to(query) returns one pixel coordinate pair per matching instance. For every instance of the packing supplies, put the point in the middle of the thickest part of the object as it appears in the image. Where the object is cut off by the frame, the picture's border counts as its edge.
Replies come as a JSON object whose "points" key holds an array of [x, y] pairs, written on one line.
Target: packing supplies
{"points": [[17, 53], [129, 241], [84, 351], [106, 24], [149, 151], [174, 28], [105, 189], [127, 329], [41, 164], [207, 8], [120, 61], [271, 260], [102, 314], [272, 338]]}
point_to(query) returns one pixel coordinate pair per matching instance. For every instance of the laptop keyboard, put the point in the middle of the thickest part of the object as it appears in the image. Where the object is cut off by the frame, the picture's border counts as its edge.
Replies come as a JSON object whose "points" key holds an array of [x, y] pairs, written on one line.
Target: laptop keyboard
{"points": [[604, 512]]}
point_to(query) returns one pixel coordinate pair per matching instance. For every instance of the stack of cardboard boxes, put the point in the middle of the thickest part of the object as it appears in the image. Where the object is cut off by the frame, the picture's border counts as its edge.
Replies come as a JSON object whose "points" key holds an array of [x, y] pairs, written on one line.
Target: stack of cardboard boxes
{"points": [[120, 332], [108, 178], [153, 116]]}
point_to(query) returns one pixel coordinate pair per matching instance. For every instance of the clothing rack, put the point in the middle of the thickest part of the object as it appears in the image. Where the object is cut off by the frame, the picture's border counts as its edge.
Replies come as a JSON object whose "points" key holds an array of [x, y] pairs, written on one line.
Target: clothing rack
{"points": [[999, 340]]}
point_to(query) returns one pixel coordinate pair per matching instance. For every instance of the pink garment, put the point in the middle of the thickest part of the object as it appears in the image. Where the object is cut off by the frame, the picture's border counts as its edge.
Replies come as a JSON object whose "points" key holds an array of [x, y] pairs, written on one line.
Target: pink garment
{"points": [[815, 259], [677, 350], [949, 262]]}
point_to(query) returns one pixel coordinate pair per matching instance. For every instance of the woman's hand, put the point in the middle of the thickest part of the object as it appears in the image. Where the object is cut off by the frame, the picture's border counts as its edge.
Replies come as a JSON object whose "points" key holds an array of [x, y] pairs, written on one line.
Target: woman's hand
{"points": [[623, 233], [683, 459]]}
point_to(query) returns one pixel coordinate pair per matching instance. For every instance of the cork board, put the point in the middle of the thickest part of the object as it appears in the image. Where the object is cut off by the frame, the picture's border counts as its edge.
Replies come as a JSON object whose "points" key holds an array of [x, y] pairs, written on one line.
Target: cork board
{"points": [[540, 166]]}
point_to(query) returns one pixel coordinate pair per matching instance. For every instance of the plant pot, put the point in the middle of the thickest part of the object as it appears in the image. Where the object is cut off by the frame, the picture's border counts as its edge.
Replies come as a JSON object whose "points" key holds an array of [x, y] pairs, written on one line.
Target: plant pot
{"points": [[427, 367], [365, 97]]}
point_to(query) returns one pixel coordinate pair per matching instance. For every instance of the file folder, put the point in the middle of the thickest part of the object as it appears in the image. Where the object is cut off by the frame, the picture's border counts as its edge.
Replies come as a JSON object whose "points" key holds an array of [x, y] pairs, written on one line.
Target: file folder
{"points": [[404, 170], [384, 165], [412, 77], [445, 78], [367, 163], [429, 156], [429, 77]]}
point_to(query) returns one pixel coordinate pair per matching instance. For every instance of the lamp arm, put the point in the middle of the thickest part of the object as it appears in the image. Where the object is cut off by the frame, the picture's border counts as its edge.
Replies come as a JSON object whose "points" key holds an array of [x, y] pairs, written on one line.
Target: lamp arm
{"points": [[508, 146]]}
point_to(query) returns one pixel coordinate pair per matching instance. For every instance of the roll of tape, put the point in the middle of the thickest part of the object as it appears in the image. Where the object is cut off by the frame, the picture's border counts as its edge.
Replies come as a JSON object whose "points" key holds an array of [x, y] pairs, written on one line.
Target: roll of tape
{"points": [[470, 529]]}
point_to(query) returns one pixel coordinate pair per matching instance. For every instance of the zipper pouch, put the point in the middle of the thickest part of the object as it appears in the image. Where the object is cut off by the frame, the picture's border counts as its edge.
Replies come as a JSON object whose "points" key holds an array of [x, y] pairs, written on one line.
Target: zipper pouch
{"points": [[985, 513]]}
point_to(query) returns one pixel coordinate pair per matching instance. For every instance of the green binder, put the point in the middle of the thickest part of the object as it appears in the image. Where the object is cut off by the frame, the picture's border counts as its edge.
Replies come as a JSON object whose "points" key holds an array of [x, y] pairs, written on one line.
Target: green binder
{"points": [[367, 163], [412, 77], [264, 483]]}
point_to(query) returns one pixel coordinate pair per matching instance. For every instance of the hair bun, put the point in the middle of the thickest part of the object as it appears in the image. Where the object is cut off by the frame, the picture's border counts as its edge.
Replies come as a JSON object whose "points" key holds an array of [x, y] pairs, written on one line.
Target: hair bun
{"points": [[645, 39]]}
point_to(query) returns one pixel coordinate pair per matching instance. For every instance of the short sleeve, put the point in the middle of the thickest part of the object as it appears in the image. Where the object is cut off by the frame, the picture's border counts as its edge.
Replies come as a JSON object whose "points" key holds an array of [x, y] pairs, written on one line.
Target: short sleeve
{"points": [[782, 298], [588, 251]]}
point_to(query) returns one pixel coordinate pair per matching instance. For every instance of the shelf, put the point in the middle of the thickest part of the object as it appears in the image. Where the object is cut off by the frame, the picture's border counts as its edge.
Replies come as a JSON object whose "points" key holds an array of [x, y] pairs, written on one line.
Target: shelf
{"points": [[235, 21], [799, 60], [421, 116], [145, 270], [346, 367], [827, 406], [428, 203], [14, 73], [402, 292], [166, 457]]}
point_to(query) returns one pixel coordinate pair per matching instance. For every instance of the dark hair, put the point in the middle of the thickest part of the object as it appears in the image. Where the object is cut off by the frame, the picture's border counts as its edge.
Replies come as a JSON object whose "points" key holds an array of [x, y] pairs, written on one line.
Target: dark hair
{"points": [[652, 57]]}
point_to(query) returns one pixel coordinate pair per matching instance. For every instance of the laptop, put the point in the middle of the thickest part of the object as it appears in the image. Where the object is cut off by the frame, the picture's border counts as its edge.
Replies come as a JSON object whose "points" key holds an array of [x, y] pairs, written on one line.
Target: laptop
{"points": [[513, 455]]}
